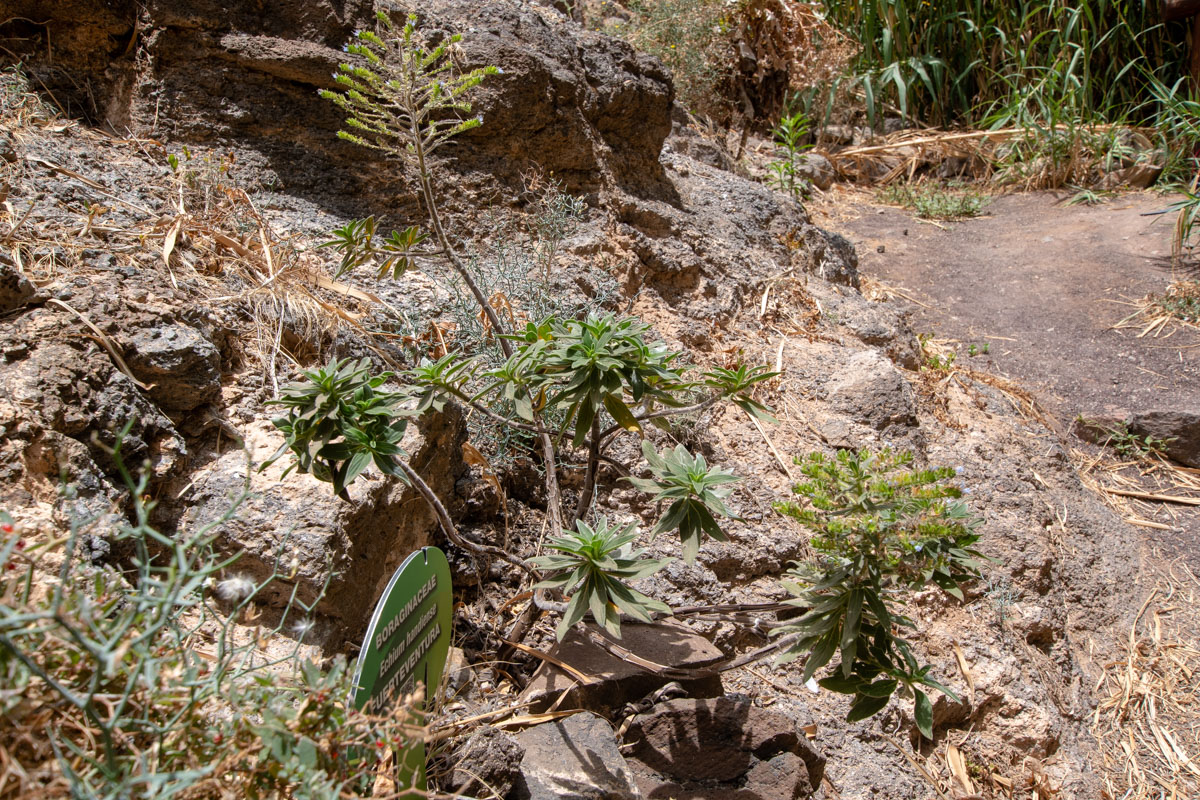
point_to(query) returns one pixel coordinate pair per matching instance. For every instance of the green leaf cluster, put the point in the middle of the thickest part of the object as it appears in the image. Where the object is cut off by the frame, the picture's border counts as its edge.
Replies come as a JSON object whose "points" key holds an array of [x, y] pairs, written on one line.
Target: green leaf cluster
{"points": [[881, 529], [356, 243], [399, 89], [340, 420], [697, 493], [593, 568], [583, 367], [432, 380], [736, 384], [789, 135]]}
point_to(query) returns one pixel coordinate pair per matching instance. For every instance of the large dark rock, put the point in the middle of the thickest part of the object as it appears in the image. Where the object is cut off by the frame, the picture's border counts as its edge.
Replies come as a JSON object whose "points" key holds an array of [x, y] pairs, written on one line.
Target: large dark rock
{"points": [[1180, 430], [489, 761], [181, 364], [573, 759], [614, 681], [870, 390], [15, 288], [722, 748]]}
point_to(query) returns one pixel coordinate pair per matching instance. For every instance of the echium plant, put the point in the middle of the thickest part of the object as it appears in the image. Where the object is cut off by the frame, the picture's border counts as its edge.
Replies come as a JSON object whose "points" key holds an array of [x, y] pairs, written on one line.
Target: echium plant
{"points": [[593, 566], [578, 381], [579, 384], [881, 529], [340, 421], [697, 493], [408, 101]]}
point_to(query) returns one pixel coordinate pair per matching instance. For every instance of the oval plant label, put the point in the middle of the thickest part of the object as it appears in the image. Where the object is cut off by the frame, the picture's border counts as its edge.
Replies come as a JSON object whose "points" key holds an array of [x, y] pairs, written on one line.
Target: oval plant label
{"points": [[409, 636], [407, 644]]}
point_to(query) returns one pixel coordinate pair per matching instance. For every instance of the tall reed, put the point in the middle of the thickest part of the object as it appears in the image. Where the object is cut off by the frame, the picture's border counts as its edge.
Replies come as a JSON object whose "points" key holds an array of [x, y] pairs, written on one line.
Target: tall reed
{"points": [[964, 61]]}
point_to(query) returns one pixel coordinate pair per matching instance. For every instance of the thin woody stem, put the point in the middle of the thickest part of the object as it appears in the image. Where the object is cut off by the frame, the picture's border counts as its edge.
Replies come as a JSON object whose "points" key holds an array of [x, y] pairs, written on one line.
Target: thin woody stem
{"points": [[448, 527]]}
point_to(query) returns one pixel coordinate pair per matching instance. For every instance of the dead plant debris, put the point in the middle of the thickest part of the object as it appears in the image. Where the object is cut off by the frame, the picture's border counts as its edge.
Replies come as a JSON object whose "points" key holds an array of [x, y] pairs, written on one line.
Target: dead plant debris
{"points": [[1146, 722]]}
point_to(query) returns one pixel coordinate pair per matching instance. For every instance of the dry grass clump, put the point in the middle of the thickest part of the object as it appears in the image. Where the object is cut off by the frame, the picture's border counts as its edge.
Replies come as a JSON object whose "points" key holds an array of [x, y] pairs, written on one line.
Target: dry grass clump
{"points": [[1164, 315], [205, 233], [1024, 158], [1146, 723], [1145, 489], [215, 240]]}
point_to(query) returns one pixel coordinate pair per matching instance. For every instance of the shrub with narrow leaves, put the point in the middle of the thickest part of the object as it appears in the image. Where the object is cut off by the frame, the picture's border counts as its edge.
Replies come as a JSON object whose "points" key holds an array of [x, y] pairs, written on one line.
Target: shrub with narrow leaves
{"points": [[399, 87], [789, 135], [340, 420], [358, 245], [737, 383], [593, 568], [880, 528], [135, 682], [599, 363], [434, 380], [697, 493]]}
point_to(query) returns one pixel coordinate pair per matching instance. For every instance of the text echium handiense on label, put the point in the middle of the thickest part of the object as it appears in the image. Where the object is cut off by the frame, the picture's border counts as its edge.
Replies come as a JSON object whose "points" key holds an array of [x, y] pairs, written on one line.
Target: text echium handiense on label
{"points": [[422, 635]]}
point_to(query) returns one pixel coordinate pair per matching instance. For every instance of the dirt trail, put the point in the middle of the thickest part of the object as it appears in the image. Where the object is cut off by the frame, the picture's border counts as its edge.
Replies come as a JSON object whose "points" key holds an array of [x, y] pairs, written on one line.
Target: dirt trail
{"points": [[1044, 284]]}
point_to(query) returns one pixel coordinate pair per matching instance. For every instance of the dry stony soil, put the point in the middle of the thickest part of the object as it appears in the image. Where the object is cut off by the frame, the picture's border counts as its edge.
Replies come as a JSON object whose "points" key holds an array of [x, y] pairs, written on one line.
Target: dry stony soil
{"points": [[184, 300]]}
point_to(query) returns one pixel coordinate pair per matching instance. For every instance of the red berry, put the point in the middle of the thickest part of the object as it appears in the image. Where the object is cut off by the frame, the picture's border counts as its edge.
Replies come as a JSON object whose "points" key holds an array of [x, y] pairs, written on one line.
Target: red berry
{"points": [[6, 528]]}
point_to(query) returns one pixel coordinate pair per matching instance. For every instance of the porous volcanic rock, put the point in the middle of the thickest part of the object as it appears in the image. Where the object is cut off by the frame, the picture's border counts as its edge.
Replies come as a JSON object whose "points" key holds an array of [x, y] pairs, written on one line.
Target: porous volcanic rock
{"points": [[1178, 429], [490, 760], [181, 364], [722, 748], [299, 527], [573, 759], [69, 396], [872, 391], [584, 106], [15, 288]]}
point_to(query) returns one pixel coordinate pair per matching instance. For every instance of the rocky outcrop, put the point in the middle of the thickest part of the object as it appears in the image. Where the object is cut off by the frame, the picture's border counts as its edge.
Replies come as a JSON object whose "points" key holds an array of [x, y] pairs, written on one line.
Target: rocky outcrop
{"points": [[581, 106], [716, 262], [722, 748], [297, 527], [69, 392], [111, 353], [586, 107]]}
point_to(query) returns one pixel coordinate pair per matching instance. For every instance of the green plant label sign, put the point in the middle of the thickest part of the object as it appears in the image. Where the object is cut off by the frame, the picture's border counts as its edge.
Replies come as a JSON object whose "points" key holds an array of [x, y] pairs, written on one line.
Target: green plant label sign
{"points": [[406, 644]]}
